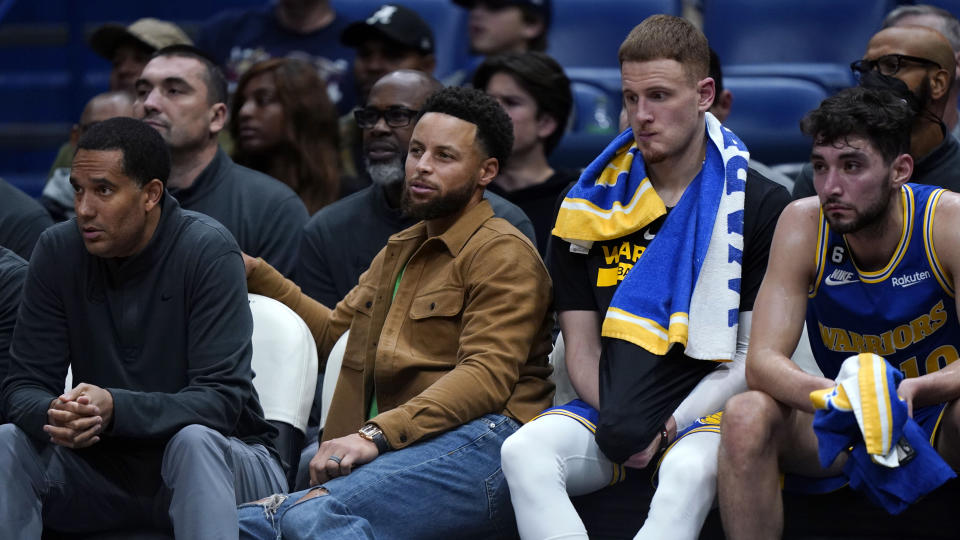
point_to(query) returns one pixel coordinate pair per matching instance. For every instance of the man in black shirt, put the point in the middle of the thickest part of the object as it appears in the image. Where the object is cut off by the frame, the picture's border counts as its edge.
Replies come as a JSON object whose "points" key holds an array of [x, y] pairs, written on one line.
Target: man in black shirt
{"points": [[183, 95], [22, 219], [535, 92], [147, 303], [632, 399], [13, 272]]}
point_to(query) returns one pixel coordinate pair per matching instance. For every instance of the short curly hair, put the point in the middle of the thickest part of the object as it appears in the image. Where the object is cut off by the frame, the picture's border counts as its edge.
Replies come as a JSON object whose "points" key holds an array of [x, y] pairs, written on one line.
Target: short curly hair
{"points": [[879, 115], [494, 128], [145, 154]]}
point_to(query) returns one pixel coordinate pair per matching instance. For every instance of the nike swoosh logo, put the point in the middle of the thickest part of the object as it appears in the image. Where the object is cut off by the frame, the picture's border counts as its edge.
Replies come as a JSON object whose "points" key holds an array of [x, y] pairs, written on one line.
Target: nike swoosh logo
{"points": [[831, 281], [647, 236], [911, 284]]}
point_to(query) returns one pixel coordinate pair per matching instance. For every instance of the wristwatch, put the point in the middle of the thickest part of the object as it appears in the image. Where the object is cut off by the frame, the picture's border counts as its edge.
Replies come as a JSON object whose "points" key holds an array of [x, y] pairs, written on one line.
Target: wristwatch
{"points": [[374, 434]]}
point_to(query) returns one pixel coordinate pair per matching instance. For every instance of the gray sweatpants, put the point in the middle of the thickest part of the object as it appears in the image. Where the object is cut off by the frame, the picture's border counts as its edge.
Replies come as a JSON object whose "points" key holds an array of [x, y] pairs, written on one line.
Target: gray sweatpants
{"points": [[194, 485]]}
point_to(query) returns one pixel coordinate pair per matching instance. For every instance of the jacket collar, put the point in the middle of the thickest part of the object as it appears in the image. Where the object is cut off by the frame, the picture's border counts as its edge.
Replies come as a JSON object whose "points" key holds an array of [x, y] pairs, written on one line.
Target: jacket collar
{"points": [[205, 182], [458, 234]]}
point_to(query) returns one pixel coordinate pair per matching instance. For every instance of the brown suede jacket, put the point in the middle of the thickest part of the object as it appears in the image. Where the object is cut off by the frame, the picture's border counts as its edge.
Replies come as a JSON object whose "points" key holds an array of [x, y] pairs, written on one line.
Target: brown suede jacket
{"points": [[467, 334]]}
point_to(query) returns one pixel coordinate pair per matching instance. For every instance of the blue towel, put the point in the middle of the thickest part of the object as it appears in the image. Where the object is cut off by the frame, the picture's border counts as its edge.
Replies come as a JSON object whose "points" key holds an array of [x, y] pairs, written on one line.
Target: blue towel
{"points": [[891, 461], [696, 255]]}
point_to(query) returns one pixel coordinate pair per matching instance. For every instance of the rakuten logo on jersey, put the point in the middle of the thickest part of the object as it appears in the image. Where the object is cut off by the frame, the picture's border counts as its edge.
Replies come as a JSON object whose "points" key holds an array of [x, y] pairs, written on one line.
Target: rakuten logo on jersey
{"points": [[908, 280]]}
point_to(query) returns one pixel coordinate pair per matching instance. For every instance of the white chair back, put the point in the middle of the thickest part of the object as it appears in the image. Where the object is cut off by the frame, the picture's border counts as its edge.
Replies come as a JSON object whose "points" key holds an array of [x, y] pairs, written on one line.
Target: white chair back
{"points": [[284, 362], [330, 375]]}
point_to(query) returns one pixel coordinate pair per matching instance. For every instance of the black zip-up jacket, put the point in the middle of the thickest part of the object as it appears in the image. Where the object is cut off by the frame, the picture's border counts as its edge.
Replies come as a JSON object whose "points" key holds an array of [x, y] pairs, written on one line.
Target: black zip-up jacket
{"points": [[166, 331], [263, 214]]}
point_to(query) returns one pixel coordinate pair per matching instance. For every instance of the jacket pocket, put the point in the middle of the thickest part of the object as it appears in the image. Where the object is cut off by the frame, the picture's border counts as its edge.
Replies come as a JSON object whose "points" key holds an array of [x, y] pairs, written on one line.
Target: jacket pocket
{"points": [[446, 302], [360, 299]]}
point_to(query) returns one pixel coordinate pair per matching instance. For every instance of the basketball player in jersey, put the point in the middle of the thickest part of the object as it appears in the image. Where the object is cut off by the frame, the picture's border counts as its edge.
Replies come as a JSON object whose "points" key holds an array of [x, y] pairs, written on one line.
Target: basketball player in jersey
{"points": [[872, 262]]}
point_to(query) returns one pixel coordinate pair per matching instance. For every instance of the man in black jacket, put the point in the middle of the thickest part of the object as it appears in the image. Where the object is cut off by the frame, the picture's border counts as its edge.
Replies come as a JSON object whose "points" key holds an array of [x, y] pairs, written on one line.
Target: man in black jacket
{"points": [[147, 302], [183, 96]]}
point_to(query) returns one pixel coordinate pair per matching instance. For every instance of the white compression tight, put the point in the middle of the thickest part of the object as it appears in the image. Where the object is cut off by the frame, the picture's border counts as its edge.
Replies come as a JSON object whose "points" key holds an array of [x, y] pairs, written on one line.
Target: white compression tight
{"points": [[545, 463], [686, 489], [555, 457]]}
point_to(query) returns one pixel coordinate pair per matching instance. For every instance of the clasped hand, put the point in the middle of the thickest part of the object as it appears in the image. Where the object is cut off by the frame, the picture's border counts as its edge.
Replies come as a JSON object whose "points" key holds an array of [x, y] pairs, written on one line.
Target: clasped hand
{"points": [[78, 417]]}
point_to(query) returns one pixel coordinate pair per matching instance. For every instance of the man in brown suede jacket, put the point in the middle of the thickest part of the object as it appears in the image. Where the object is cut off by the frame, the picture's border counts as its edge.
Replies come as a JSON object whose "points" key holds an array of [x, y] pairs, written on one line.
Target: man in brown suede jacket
{"points": [[447, 353]]}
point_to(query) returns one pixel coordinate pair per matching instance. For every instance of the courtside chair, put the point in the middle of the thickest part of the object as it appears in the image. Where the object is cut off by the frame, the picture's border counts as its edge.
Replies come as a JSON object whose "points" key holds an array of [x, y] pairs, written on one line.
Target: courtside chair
{"points": [[330, 375], [285, 367]]}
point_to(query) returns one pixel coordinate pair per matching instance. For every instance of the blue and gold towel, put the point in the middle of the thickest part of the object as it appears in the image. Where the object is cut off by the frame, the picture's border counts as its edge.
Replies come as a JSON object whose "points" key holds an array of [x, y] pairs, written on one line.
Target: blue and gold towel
{"points": [[696, 257], [891, 459]]}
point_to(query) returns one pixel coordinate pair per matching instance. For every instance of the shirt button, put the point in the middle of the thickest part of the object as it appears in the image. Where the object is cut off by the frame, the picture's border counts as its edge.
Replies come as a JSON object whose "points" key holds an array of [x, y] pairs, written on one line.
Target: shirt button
{"points": [[492, 425], [403, 438], [369, 304], [433, 305]]}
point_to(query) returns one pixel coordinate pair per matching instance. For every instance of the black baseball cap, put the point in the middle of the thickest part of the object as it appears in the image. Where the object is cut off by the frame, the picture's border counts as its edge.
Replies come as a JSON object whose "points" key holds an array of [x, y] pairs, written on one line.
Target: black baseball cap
{"points": [[395, 23], [542, 7]]}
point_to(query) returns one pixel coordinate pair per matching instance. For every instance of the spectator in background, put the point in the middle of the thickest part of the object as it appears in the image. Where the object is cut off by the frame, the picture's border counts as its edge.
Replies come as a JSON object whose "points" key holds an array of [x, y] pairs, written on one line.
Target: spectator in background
{"points": [[503, 26], [22, 219], [393, 37], [127, 48], [947, 24], [13, 272], [284, 125], [57, 195], [918, 64], [183, 95], [305, 29], [534, 91]]}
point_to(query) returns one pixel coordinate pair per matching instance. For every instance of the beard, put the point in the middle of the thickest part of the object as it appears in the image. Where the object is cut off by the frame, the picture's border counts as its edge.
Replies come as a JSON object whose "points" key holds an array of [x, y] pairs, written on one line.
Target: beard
{"points": [[386, 173], [869, 217], [438, 207]]}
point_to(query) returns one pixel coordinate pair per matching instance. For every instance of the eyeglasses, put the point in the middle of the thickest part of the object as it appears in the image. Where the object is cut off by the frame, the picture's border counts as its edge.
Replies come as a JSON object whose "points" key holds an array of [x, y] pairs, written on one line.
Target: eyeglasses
{"points": [[395, 116], [889, 64]]}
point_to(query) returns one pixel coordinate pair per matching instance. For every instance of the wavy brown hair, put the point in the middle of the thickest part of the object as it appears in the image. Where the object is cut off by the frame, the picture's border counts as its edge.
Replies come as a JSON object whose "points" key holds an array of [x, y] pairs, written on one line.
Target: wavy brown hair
{"points": [[307, 160]]}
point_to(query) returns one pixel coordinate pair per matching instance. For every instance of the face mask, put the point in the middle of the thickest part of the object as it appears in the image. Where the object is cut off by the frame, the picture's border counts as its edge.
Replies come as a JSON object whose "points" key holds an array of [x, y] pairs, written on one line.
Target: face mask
{"points": [[879, 81], [917, 104]]}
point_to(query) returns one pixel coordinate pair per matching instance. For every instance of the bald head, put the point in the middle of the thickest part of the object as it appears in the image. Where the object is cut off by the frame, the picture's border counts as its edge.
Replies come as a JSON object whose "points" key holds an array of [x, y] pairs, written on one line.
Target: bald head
{"points": [[107, 105], [415, 85], [920, 77], [102, 107]]}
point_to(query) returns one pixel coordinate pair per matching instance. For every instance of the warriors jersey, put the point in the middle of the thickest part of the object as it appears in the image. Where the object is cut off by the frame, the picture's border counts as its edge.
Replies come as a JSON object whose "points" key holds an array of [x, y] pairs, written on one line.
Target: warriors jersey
{"points": [[904, 311]]}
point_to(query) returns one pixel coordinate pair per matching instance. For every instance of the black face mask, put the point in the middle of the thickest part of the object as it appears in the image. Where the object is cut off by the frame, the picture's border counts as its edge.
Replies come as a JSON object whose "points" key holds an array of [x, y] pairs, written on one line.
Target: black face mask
{"points": [[918, 104], [878, 81]]}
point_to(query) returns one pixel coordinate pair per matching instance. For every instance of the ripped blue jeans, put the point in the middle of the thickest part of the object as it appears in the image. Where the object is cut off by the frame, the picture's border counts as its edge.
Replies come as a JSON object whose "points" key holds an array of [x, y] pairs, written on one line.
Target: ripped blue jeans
{"points": [[449, 486]]}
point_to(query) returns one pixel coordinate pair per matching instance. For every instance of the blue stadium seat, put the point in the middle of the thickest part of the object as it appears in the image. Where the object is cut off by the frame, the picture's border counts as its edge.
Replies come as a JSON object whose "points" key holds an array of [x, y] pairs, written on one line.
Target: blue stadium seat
{"points": [[593, 124], [766, 115], [447, 20], [589, 33], [813, 39]]}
